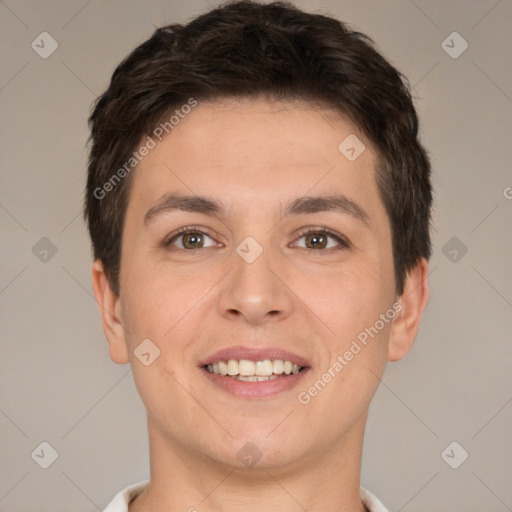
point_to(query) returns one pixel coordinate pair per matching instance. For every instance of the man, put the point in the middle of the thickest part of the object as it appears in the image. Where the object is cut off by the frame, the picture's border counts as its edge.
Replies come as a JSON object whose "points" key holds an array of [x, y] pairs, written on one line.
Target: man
{"points": [[259, 207]]}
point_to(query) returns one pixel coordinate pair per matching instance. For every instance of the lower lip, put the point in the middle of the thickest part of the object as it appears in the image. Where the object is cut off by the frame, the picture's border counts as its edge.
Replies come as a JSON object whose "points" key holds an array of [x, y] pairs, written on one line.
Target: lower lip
{"points": [[261, 389]]}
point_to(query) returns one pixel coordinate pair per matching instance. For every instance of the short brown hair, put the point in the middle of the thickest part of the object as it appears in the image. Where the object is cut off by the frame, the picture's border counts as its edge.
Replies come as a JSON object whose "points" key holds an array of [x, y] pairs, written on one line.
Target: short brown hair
{"points": [[245, 49]]}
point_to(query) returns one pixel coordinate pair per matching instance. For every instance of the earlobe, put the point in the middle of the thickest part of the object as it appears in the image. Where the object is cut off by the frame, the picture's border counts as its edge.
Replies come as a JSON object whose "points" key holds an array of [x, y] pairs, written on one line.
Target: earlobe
{"points": [[413, 301], [110, 311]]}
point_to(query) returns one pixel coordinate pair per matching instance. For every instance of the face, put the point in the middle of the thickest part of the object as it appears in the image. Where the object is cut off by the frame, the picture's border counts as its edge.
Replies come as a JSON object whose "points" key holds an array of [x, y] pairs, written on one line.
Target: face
{"points": [[287, 257]]}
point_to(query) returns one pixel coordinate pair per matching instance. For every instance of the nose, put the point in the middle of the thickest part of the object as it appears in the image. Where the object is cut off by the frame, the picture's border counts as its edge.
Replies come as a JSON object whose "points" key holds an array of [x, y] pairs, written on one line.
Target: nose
{"points": [[256, 292]]}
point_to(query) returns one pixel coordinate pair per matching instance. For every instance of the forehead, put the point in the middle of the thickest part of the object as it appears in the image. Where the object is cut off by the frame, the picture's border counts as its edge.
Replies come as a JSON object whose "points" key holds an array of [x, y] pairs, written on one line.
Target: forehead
{"points": [[252, 131], [251, 151]]}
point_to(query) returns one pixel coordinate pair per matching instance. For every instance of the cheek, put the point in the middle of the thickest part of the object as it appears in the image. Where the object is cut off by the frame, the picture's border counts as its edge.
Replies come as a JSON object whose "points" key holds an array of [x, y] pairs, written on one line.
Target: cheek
{"points": [[158, 297], [164, 309], [347, 299], [351, 303]]}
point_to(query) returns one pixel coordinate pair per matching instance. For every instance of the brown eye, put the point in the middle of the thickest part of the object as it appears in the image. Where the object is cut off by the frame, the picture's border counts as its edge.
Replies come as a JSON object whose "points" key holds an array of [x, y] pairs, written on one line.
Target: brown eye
{"points": [[317, 241], [189, 238], [192, 240], [316, 238]]}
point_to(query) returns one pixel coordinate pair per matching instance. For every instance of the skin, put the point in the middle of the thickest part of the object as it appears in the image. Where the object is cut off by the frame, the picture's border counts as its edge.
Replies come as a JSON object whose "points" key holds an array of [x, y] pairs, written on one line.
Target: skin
{"points": [[254, 156]]}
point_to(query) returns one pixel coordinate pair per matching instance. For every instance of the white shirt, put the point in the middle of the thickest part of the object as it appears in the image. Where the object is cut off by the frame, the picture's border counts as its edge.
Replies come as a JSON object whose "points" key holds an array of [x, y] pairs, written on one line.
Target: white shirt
{"points": [[123, 498]]}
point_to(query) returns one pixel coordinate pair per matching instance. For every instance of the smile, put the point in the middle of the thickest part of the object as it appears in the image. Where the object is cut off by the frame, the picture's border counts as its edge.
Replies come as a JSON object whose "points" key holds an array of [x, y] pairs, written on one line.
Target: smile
{"points": [[254, 371]]}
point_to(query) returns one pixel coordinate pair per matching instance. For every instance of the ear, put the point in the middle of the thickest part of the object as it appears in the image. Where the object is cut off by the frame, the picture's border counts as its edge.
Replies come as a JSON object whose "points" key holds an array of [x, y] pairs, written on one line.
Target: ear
{"points": [[413, 301], [110, 311]]}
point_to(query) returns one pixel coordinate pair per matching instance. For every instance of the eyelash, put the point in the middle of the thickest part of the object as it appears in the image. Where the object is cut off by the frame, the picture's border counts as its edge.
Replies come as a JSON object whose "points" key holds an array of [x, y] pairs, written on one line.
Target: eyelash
{"points": [[343, 242]]}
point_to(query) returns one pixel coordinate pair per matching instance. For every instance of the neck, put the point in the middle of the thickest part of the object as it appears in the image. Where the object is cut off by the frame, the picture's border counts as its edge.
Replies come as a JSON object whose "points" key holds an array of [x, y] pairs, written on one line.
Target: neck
{"points": [[185, 480]]}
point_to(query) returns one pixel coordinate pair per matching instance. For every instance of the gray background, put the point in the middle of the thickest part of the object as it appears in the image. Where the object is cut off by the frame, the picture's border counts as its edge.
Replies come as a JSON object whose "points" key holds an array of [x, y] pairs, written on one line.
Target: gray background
{"points": [[57, 383]]}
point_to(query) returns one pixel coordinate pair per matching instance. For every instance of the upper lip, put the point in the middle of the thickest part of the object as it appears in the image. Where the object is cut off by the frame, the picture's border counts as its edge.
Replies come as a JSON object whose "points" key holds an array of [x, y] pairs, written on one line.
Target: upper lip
{"points": [[253, 354]]}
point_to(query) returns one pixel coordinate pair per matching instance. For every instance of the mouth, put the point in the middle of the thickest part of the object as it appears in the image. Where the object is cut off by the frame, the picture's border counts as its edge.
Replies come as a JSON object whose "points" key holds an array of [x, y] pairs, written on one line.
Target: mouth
{"points": [[254, 373]]}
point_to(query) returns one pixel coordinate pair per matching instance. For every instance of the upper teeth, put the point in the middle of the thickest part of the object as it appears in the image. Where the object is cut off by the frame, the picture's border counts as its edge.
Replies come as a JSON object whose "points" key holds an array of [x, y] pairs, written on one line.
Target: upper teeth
{"points": [[247, 368]]}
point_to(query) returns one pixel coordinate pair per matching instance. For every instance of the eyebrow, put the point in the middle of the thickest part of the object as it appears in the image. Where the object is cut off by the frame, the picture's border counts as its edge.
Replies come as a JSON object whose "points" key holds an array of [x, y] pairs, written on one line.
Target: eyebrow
{"points": [[303, 205]]}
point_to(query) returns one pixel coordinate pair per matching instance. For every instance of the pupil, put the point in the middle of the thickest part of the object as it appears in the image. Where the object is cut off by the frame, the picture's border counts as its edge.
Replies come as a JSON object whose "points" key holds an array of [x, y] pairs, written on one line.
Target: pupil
{"points": [[191, 239], [315, 239]]}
